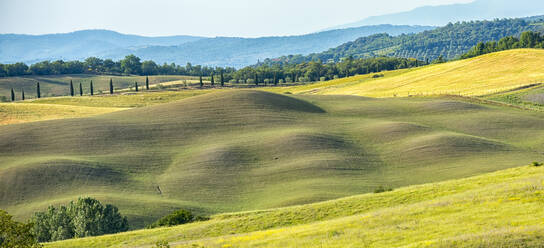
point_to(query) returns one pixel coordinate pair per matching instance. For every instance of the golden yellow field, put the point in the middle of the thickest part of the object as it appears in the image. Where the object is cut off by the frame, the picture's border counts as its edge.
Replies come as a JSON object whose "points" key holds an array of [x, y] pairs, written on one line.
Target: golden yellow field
{"points": [[11, 113], [478, 76]]}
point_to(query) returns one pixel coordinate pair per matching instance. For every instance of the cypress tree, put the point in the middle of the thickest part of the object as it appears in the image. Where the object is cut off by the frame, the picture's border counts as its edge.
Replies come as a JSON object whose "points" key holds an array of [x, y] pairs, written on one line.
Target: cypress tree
{"points": [[12, 95], [146, 82], [222, 79], [275, 78], [80, 90], [23, 94], [256, 80], [201, 83], [38, 93], [91, 88], [136, 86], [111, 87], [213, 81], [71, 88]]}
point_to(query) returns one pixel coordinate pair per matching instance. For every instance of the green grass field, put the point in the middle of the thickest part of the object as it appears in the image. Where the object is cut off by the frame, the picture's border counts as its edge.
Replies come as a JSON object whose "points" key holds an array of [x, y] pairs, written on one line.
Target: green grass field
{"points": [[59, 85], [236, 150], [501, 209], [483, 75], [216, 151]]}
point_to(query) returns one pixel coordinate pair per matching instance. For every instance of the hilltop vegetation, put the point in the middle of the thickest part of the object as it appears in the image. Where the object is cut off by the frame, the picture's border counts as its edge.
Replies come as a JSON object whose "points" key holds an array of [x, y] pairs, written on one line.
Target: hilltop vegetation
{"points": [[502, 209], [483, 75], [236, 150], [449, 41]]}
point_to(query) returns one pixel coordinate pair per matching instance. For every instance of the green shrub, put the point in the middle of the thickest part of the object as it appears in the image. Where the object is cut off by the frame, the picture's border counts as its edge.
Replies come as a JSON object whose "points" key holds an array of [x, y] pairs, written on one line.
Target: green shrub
{"points": [[382, 189], [162, 244], [86, 217], [15, 234], [378, 75], [537, 164], [178, 217]]}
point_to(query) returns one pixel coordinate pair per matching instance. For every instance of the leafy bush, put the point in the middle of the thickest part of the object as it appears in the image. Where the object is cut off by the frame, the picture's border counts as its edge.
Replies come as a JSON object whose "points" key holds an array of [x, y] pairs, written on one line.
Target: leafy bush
{"points": [[382, 189], [15, 234], [537, 164], [178, 217], [161, 244], [86, 217]]}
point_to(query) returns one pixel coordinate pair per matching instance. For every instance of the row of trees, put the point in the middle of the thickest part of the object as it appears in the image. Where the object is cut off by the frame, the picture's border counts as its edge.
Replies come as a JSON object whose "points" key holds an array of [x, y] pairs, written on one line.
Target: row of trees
{"points": [[527, 39], [73, 91], [260, 73], [130, 65]]}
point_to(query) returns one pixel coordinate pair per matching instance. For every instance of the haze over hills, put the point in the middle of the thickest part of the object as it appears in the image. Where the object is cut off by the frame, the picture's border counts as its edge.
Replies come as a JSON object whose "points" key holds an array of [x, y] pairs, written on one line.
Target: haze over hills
{"points": [[77, 45], [219, 51], [444, 14]]}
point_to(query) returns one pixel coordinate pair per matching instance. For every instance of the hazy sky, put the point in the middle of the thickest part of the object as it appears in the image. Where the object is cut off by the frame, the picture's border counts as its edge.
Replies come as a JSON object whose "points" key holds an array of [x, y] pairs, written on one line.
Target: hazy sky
{"points": [[246, 18]]}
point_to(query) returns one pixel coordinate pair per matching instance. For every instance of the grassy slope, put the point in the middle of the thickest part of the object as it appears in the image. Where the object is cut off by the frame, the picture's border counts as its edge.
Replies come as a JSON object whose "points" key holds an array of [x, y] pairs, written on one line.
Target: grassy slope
{"points": [[501, 209], [530, 98], [59, 85], [482, 75], [71, 107], [126, 100], [239, 150], [12, 113]]}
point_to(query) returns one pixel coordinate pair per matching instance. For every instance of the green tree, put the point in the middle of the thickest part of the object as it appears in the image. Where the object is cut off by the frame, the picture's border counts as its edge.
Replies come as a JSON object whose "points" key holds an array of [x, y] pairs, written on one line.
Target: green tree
{"points": [[38, 93], [213, 81], [12, 95], [85, 217], [201, 83], [80, 90], [91, 88], [131, 65], [23, 94], [149, 68], [136, 86], [111, 86], [146, 82], [15, 234], [222, 79], [71, 88]]}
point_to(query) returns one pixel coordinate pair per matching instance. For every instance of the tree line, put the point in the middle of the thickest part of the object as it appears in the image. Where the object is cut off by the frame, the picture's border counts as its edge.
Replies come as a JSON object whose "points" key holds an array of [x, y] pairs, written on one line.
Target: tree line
{"points": [[130, 65], [527, 39]]}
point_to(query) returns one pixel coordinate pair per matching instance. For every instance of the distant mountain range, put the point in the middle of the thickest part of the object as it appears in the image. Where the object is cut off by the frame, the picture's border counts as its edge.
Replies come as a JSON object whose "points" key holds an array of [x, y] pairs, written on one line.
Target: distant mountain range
{"points": [[219, 51], [444, 14]]}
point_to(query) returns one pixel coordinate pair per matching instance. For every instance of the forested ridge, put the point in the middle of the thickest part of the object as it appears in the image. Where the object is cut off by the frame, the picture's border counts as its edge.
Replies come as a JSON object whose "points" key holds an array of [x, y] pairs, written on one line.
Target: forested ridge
{"points": [[450, 41]]}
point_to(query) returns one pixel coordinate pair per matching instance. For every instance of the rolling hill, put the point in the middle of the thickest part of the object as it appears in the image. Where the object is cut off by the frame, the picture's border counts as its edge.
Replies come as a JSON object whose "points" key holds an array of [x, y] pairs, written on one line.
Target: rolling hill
{"points": [[444, 14], [236, 150], [501, 209], [483, 75], [218, 51]]}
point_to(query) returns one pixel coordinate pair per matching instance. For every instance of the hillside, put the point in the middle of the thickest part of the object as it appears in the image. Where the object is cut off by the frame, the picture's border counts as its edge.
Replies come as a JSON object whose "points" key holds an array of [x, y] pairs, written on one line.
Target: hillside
{"points": [[233, 150], [444, 14], [502, 209], [449, 41], [219, 51], [483, 75]]}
